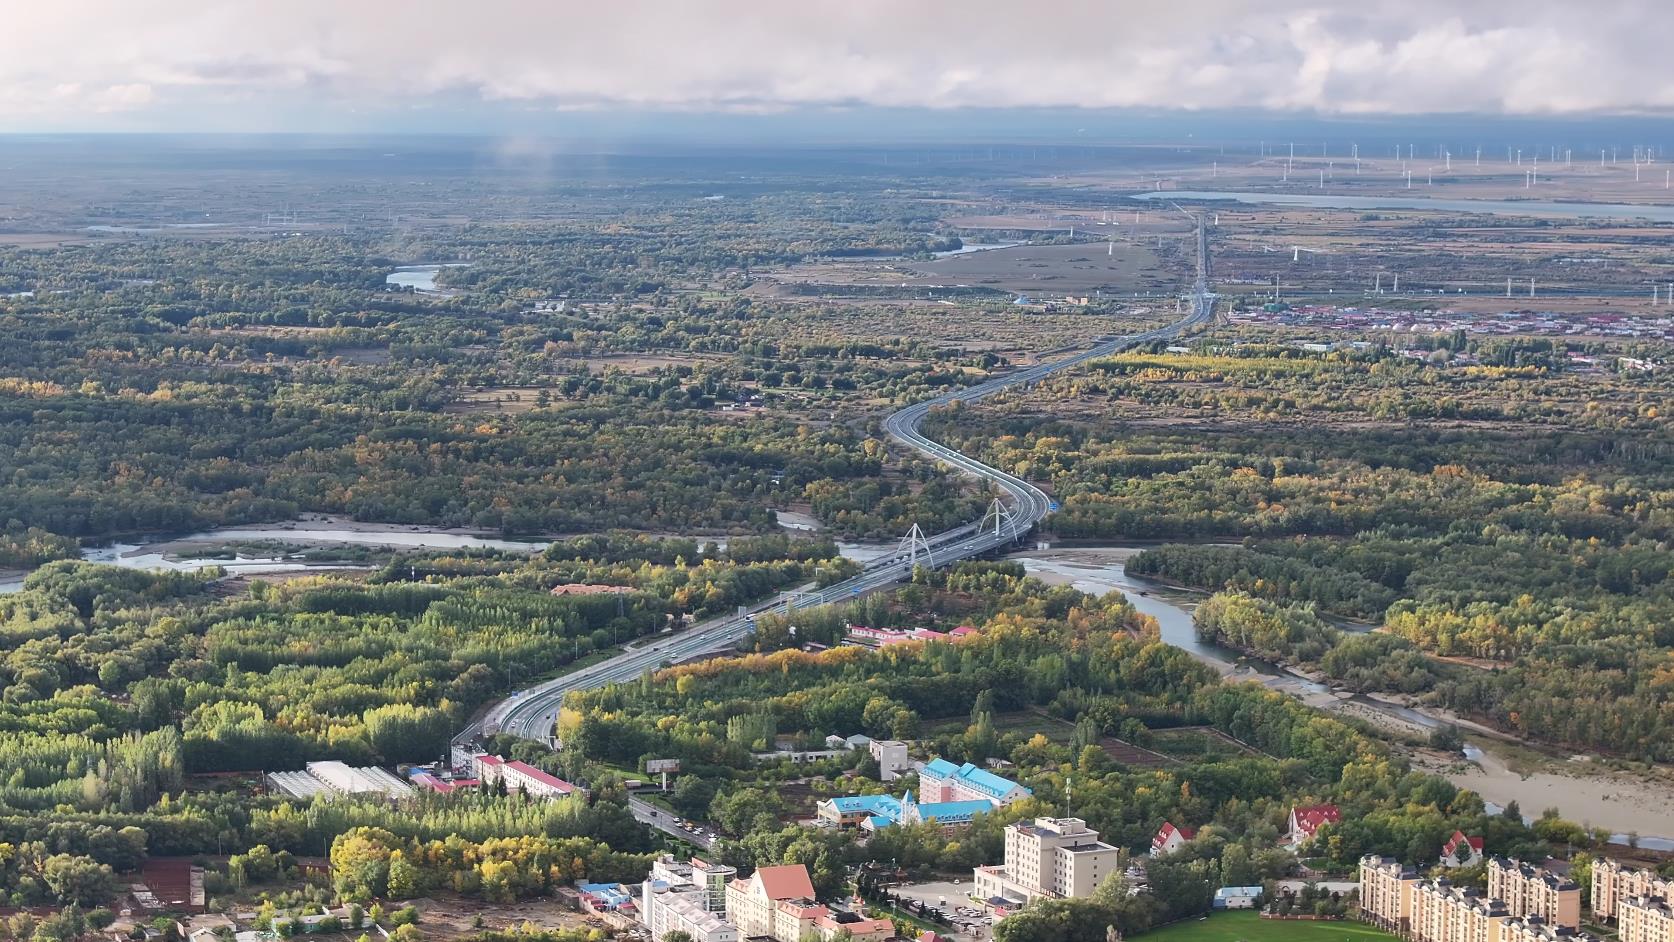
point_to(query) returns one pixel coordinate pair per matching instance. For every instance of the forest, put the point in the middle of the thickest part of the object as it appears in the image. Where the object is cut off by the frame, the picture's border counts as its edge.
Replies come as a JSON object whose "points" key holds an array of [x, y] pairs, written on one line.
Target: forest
{"points": [[1513, 553]]}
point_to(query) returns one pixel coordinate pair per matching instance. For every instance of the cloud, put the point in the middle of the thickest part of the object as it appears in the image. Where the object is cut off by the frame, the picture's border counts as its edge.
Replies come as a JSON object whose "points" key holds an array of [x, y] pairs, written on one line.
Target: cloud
{"points": [[159, 60]]}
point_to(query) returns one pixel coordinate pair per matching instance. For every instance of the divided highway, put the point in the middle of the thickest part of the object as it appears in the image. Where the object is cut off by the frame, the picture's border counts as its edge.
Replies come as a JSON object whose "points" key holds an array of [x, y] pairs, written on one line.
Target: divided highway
{"points": [[533, 711]]}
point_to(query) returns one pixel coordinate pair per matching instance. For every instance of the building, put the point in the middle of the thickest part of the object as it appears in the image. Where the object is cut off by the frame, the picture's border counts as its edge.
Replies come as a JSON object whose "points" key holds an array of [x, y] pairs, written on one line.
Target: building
{"points": [[941, 780], [892, 758], [1461, 851], [332, 778], [1644, 919], [1442, 912], [1305, 821], [1386, 887], [520, 776], [1534, 929], [1393, 898], [1057, 858], [1613, 882], [1170, 839], [872, 812], [687, 897], [778, 903], [1532, 891], [1237, 897]]}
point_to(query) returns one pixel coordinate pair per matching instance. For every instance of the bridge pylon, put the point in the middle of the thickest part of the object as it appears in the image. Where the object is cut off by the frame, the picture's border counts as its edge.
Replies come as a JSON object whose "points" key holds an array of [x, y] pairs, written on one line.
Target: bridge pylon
{"points": [[1001, 521], [915, 543]]}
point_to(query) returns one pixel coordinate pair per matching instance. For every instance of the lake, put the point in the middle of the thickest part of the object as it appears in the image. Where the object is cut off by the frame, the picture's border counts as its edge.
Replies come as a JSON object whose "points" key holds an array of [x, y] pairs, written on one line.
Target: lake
{"points": [[420, 278], [1490, 207]]}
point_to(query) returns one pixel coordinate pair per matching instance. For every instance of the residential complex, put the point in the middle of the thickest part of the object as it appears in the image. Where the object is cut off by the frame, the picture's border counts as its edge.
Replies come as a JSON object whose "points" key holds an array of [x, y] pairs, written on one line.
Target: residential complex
{"points": [[1386, 888], [1644, 919], [1613, 883], [941, 780], [1532, 891], [778, 903], [1394, 898], [687, 897], [1050, 857]]}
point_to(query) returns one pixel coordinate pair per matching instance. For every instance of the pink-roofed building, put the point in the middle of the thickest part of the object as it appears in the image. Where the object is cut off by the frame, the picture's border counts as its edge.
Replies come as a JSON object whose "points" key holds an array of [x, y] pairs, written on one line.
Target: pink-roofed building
{"points": [[1305, 822], [963, 631], [1170, 839], [430, 782]]}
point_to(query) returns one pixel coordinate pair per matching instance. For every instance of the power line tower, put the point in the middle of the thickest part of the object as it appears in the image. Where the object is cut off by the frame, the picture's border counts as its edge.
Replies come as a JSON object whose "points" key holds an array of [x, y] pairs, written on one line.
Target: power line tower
{"points": [[1000, 521], [913, 544]]}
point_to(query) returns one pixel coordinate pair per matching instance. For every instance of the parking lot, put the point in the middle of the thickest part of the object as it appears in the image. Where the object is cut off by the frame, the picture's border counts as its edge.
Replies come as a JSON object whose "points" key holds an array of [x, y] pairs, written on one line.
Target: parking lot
{"points": [[970, 921]]}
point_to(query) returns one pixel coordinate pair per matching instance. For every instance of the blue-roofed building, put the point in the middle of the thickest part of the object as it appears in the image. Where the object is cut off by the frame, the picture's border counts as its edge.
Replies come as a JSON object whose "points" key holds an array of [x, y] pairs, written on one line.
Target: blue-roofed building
{"points": [[942, 781], [1237, 897], [873, 812]]}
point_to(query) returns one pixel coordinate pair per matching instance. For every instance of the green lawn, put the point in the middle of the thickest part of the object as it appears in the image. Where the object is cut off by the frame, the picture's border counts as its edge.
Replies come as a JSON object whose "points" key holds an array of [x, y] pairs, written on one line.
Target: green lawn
{"points": [[1249, 927]]}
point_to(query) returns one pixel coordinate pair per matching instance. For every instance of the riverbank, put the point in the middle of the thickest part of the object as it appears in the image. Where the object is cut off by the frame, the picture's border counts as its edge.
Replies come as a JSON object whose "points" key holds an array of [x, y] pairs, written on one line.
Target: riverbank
{"points": [[1499, 769]]}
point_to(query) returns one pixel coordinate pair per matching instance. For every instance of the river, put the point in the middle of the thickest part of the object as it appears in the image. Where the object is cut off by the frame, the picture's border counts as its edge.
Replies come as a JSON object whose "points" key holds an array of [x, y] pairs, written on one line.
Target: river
{"points": [[1592, 796], [1490, 207], [179, 553]]}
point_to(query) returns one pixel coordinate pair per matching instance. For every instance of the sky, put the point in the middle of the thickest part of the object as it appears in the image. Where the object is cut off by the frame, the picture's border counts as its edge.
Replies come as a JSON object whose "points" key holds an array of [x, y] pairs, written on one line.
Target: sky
{"points": [[505, 65]]}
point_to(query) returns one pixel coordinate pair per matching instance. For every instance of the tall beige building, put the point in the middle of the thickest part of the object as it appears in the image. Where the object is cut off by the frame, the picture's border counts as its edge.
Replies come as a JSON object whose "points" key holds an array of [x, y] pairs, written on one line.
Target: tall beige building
{"points": [[1532, 891], [1392, 897], [1442, 912], [1613, 883], [1386, 887], [1644, 919], [1058, 858], [1534, 929]]}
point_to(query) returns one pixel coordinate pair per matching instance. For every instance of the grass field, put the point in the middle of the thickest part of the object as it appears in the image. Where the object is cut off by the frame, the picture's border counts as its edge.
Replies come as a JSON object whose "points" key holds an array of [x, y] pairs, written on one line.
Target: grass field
{"points": [[1249, 927]]}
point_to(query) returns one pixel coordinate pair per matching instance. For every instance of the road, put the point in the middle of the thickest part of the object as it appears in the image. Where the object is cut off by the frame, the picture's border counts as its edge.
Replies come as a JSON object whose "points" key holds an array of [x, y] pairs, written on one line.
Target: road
{"points": [[646, 813], [533, 712]]}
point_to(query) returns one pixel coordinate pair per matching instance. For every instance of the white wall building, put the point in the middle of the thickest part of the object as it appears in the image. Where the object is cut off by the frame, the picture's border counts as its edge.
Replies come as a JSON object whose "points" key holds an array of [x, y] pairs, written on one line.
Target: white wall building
{"points": [[687, 897], [1057, 858], [892, 758]]}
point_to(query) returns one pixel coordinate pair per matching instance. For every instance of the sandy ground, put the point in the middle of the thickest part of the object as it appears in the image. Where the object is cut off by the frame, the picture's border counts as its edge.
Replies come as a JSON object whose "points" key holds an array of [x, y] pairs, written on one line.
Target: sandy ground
{"points": [[1596, 797]]}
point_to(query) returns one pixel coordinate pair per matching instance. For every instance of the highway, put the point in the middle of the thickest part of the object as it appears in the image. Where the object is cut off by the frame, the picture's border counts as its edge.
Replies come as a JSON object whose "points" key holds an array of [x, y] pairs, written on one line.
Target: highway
{"points": [[532, 712]]}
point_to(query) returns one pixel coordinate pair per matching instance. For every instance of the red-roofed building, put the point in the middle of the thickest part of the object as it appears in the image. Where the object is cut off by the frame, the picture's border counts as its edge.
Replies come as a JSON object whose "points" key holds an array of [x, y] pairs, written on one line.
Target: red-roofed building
{"points": [[521, 776], [1170, 839], [778, 903], [963, 631], [1306, 820], [1461, 851]]}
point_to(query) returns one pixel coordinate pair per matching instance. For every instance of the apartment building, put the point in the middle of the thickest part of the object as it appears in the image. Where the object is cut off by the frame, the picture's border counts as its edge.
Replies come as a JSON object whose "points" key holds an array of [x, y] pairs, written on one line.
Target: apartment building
{"points": [[1442, 912], [1532, 891], [1535, 929], [1613, 883], [1057, 858], [1393, 898], [1386, 888], [1644, 919], [687, 897]]}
